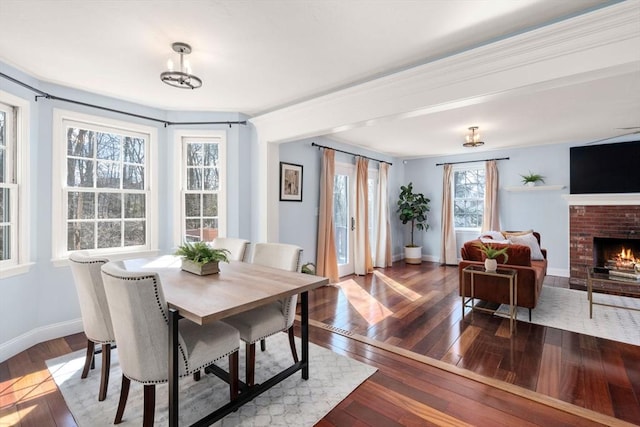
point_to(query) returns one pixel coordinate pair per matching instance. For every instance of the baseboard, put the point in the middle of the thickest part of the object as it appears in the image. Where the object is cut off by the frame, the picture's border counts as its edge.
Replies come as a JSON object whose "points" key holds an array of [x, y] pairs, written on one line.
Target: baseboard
{"points": [[35, 336], [560, 272]]}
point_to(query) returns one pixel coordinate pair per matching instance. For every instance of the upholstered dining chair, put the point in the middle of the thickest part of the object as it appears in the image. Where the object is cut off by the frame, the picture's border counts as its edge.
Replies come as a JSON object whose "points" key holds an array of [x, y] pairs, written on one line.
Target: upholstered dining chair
{"points": [[257, 324], [140, 322], [237, 247], [96, 319]]}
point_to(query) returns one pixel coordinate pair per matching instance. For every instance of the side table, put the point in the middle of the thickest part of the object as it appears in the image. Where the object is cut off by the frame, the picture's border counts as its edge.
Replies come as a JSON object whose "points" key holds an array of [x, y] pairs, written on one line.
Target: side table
{"points": [[505, 273], [632, 291]]}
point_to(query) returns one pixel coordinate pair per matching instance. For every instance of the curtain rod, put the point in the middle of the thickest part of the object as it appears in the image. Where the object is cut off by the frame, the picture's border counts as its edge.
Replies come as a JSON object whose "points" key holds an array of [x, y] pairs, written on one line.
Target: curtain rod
{"points": [[313, 144], [41, 94], [471, 161]]}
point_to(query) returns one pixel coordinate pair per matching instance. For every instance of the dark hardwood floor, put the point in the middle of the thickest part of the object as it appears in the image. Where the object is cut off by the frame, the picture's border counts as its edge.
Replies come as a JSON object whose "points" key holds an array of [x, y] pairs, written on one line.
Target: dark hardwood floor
{"points": [[434, 367]]}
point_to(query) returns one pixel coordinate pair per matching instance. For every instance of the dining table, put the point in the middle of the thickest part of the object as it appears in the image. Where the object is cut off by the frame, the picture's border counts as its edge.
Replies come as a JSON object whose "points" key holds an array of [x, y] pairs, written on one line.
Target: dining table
{"points": [[238, 287]]}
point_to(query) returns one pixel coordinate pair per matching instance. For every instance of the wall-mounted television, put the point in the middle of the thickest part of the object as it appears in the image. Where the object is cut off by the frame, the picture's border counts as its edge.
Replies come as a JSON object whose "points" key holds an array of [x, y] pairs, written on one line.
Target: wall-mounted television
{"points": [[605, 168]]}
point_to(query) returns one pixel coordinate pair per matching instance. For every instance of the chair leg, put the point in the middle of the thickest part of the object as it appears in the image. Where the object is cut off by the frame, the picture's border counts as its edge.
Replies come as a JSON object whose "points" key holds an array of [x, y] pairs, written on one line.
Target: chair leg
{"points": [[88, 358], [250, 367], [529, 315], [292, 344], [196, 376], [106, 366], [234, 383], [263, 344], [149, 405], [124, 394]]}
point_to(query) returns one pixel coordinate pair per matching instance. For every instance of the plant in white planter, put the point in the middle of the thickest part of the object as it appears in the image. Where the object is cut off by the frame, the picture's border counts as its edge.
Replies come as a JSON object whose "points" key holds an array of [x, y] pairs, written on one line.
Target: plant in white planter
{"points": [[413, 208], [532, 179], [200, 258], [491, 262]]}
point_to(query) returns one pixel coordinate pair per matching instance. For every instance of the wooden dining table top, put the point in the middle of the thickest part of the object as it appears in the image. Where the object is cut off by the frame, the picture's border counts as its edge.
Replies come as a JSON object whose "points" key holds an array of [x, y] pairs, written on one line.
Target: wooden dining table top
{"points": [[238, 287]]}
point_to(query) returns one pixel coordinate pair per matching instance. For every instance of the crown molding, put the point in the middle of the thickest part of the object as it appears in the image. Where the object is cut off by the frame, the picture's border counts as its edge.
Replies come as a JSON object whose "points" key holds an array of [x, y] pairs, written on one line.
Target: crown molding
{"points": [[601, 42]]}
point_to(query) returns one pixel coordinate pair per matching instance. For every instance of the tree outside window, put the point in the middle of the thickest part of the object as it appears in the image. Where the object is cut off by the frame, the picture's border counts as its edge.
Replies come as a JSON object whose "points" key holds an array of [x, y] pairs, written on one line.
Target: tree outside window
{"points": [[468, 204]]}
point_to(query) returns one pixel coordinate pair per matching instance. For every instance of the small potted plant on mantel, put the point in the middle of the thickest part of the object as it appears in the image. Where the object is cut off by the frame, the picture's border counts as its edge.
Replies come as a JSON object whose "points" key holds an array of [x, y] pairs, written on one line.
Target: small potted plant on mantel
{"points": [[200, 258], [532, 179], [491, 253], [413, 207]]}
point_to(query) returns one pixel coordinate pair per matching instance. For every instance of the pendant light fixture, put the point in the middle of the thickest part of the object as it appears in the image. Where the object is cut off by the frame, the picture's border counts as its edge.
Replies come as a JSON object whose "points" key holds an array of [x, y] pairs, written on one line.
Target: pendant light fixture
{"points": [[473, 138], [181, 78]]}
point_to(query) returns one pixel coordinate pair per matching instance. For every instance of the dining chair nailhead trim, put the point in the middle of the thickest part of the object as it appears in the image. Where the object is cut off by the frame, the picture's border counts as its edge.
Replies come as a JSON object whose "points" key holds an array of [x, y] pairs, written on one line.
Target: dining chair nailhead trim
{"points": [[187, 373]]}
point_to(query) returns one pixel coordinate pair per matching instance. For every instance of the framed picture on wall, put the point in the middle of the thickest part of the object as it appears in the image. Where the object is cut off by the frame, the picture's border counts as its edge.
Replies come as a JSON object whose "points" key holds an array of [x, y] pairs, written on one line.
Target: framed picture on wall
{"points": [[290, 182]]}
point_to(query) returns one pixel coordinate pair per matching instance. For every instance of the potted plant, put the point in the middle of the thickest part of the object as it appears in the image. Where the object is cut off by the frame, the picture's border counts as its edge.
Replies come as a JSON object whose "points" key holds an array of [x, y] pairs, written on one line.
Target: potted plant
{"points": [[532, 179], [413, 208], [491, 262], [200, 258], [308, 268]]}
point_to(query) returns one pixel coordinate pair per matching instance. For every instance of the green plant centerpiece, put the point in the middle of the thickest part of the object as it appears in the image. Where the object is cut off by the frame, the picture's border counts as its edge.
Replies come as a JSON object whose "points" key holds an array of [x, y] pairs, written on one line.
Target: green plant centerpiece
{"points": [[308, 268], [413, 208], [491, 262], [200, 258], [532, 178]]}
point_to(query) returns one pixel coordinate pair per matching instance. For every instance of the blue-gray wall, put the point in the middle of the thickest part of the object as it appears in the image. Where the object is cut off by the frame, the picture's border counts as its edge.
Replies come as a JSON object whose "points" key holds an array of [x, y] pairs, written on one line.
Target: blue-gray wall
{"points": [[298, 221], [544, 211], [44, 299]]}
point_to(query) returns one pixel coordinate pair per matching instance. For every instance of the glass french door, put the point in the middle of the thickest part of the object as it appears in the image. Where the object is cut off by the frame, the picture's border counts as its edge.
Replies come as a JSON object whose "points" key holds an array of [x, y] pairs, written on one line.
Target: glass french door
{"points": [[343, 216]]}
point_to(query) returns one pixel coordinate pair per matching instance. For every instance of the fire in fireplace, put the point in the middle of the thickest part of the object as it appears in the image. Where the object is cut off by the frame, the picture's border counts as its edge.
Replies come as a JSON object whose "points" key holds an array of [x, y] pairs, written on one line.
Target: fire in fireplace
{"points": [[621, 255]]}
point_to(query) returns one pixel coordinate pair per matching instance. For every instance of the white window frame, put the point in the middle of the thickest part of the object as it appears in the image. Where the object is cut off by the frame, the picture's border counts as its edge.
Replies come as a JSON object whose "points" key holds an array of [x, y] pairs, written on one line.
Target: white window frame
{"points": [[465, 167], [181, 138], [63, 118], [18, 169]]}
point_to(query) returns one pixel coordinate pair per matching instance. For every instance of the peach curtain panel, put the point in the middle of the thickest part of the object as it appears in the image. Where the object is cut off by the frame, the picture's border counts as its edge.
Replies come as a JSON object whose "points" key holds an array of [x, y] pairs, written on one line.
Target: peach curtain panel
{"points": [[362, 247], [491, 215], [383, 236], [448, 249], [326, 258]]}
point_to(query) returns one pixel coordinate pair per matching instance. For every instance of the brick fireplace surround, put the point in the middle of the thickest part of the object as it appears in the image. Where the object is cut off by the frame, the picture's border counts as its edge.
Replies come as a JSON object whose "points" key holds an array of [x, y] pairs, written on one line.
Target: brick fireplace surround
{"points": [[589, 221]]}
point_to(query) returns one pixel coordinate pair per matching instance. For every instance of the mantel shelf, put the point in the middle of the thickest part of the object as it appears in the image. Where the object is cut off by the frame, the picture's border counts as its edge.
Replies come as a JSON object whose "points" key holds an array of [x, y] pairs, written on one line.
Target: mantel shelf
{"points": [[536, 188]]}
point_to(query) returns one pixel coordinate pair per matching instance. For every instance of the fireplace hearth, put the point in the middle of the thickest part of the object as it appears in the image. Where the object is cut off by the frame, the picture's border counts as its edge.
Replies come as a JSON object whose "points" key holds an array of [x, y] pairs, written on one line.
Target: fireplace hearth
{"points": [[619, 256], [597, 234]]}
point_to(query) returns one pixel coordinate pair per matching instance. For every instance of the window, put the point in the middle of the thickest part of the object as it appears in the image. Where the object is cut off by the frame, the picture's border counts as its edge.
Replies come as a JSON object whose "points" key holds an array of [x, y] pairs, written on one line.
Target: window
{"points": [[106, 189], [8, 187], [14, 212], [202, 195], [468, 193]]}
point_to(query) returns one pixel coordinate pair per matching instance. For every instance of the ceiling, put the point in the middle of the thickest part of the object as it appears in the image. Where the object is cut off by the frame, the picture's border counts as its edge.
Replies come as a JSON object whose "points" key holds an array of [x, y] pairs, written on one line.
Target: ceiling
{"points": [[258, 57]]}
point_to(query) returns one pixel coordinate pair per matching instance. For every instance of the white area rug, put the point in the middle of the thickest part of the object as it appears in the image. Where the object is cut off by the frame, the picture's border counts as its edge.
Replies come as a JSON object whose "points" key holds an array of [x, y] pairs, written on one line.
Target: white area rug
{"points": [[568, 309], [292, 402]]}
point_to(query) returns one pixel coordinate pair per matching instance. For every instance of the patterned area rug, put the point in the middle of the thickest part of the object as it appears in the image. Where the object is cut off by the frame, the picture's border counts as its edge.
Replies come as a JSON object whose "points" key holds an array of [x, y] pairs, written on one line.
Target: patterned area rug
{"points": [[292, 402], [568, 309]]}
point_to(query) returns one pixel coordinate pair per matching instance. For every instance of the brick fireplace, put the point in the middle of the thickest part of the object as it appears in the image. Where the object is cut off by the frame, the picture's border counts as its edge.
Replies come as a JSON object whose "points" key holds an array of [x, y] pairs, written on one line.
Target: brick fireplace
{"points": [[602, 221]]}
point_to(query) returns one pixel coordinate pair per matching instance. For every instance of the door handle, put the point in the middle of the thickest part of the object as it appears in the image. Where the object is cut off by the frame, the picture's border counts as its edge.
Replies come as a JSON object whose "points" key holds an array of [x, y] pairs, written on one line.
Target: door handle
{"points": [[353, 224]]}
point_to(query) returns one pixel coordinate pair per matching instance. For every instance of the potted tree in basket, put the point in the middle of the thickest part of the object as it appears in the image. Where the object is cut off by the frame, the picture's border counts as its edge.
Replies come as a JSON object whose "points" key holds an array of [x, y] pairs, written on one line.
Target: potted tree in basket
{"points": [[200, 258], [491, 262], [413, 208]]}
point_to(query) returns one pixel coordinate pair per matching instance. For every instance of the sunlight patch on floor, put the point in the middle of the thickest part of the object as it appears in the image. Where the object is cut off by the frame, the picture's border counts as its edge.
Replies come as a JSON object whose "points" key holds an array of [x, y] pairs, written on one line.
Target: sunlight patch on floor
{"points": [[372, 310], [397, 286]]}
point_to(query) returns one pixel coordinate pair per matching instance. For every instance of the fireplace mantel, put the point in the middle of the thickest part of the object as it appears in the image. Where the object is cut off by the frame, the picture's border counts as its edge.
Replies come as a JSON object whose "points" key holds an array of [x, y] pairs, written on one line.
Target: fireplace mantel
{"points": [[602, 199]]}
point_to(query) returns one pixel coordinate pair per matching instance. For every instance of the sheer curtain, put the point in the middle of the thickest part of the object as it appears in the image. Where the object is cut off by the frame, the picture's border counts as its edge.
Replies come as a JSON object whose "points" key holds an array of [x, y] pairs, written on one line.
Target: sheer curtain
{"points": [[326, 258], [448, 249], [362, 248], [490, 217], [383, 226]]}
